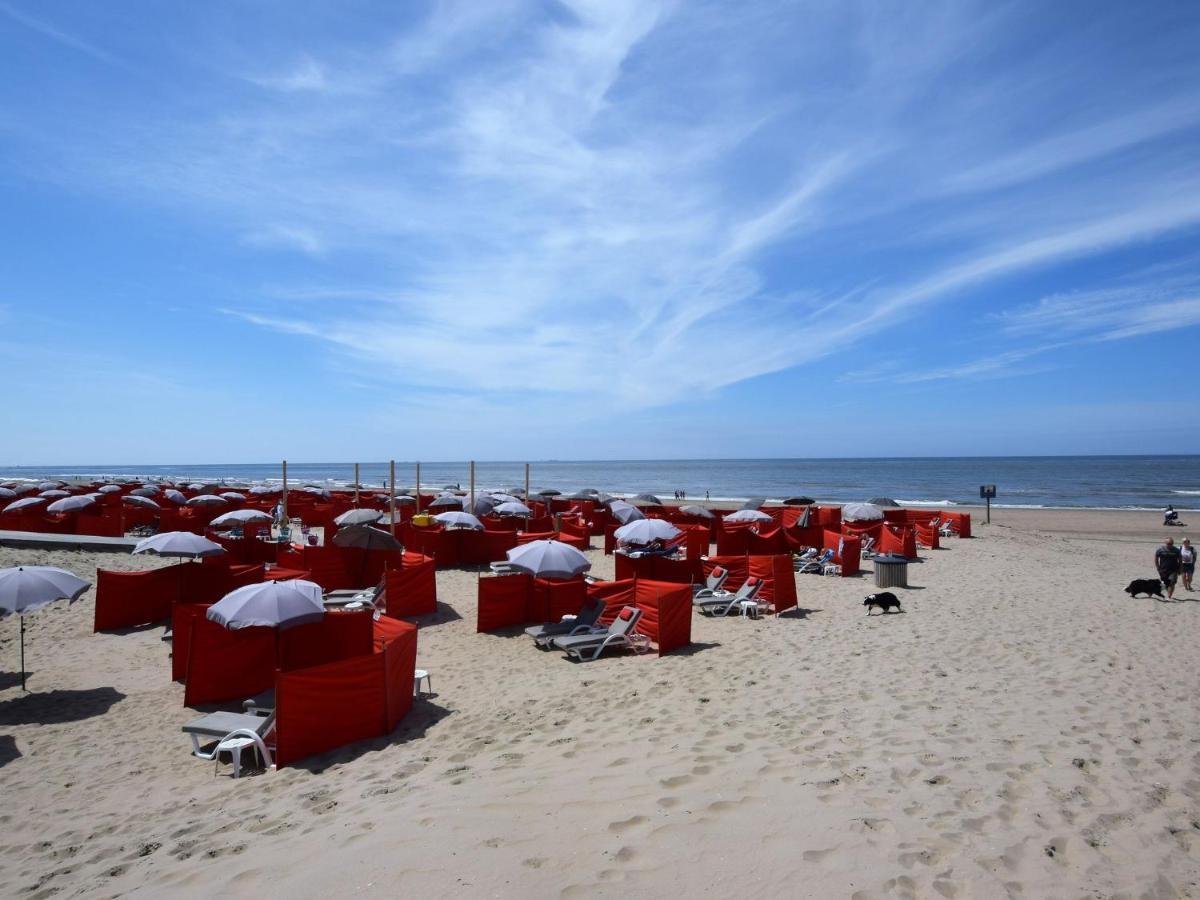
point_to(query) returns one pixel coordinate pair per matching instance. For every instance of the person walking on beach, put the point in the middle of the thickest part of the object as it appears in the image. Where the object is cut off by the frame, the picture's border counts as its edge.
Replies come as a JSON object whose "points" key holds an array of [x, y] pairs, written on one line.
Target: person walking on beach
{"points": [[1167, 560], [1187, 563]]}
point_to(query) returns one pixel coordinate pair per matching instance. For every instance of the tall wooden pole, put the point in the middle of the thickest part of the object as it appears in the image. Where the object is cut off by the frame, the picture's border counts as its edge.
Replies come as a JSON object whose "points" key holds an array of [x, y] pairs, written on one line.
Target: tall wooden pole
{"points": [[392, 500], [356, 484], [472, 487], [285, 515], [527, 482], [418, 487]]}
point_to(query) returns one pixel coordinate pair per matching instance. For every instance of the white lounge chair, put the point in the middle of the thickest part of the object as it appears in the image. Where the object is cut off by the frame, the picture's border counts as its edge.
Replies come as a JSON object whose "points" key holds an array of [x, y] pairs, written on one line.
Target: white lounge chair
{"points": [[219, 727], [728, 603], [868, 548], [620, 634], [712, 584], [817, 564], [584, 623]]}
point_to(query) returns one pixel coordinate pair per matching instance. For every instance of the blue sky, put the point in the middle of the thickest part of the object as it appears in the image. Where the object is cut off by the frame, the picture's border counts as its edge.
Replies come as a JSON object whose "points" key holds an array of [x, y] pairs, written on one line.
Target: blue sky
{"points": [[254, 230]]}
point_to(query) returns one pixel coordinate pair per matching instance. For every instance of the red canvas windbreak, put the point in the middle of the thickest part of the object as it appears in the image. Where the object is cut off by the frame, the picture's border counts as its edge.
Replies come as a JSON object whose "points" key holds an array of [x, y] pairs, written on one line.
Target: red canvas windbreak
{"points": [[227, 665], [107, 524], [411, 590], [897, 539], [928, 536], [501, 601], [779, 583], [126, 599], [337, 636], [804, 538], [961, 522], [324, 707], [610, 538], [827, 517], [615, 594], [697, 537], [549, 600], [529, 537], [482, 547], [400, 664], [434, 542], [657, 568], [181, 636], [666, 613], [847, 551]]}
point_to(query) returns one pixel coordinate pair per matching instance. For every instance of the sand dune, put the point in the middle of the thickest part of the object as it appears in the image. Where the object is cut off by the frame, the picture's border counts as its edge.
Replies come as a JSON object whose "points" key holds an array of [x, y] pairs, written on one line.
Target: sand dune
{"points": [[1023, 729]]}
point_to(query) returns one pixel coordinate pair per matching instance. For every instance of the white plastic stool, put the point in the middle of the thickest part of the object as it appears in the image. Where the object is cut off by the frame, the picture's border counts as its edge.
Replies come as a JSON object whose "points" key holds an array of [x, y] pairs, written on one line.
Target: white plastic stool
{"points": [[234, 746], [749, 608], [418, 675]]}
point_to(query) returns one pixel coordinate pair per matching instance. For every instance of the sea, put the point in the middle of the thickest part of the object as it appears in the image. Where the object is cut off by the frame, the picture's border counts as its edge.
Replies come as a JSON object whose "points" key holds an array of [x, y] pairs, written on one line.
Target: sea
{"points": [[1036, 482]]}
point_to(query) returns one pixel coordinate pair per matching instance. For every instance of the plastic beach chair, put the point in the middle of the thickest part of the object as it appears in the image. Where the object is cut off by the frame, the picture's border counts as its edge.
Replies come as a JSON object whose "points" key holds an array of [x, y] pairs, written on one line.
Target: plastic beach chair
{"points": [[817, 565], [223, 727], [727, 603], [712, 585], [619, 634], [583, 623]]}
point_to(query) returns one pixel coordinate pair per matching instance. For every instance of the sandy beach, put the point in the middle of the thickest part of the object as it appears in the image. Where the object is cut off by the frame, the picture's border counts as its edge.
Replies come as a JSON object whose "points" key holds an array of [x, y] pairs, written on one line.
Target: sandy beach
{"points": [[1023, 729]]}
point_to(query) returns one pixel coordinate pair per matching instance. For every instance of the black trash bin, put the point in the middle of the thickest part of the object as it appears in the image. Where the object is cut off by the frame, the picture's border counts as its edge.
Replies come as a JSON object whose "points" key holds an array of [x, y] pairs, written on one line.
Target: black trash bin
{"points": [[891, 570]]}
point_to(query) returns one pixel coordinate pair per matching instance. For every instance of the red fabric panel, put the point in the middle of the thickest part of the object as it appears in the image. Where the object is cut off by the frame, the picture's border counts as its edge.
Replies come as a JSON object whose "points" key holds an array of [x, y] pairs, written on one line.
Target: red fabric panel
{"points": [[798, 538], [928, 536], [324, 707], [666, 613], [847, 551], [615, 594], [529, 537], [411, 590], [337, 636], [961, 520], [126, 599], [549, 601], [764, 541], [697, 537], [227, 665], [783, 582], [502, 601], [733, 540], [827, 517], [897, 539], [399, 665], [181, 636], [658, 568]]}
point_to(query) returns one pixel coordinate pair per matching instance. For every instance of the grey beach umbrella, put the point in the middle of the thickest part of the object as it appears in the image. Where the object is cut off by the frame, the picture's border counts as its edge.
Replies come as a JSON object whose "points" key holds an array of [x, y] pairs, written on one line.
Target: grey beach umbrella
{"points": [[548, 559], [26, 588], [882, 501], [71, 504], [456, 519], [359, 517], [645, 531], [182, 544], [270, 604], [700, 511], [364, 537]]}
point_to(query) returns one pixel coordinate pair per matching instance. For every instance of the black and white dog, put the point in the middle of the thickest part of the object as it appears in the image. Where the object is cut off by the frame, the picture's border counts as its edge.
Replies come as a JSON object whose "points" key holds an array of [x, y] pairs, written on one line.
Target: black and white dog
{"points": [[885, 601]]}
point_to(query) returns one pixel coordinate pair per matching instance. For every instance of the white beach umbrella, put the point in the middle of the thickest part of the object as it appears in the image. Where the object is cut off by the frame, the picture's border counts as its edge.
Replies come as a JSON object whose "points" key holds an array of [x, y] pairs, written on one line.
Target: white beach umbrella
{"points": [[625, 512], [484, 506], [54, 492], [359, 517], [7, 493], [313, 489], [175, 496], [513, 508], [232, 496], [24, 503], [457, 519], [548, 559], [861, 512], [264, 489], [700, 511], [26, 588], [446, 502], [109, 489], [208, 500], [145, 492], [748, 515], [183, 544], [49, 485], [240, 517], [25, 488], [270, 604], [644, 531], [138, 500], [504, 498], [71, 504]]}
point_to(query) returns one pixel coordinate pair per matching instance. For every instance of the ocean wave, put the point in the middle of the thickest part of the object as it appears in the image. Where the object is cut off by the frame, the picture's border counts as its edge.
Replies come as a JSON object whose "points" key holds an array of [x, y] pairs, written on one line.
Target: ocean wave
{"points": [[1188, 493], [927, 503]]}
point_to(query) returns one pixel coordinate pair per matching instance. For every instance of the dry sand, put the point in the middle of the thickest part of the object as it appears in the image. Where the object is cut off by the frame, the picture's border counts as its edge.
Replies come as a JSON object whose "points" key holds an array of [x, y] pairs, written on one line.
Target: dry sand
{"points": [[1024, 729]]}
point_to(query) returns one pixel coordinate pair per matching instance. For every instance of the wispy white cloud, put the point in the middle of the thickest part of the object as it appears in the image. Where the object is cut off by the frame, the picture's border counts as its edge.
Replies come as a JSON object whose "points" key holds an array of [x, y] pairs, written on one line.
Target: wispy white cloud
{"points": [[306, 75], [47, 30], [286, 237]]}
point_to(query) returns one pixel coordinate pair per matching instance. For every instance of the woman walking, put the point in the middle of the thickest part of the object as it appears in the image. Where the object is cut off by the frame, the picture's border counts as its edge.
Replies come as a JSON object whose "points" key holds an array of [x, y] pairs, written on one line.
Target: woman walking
{"points": [[1187, 563]]}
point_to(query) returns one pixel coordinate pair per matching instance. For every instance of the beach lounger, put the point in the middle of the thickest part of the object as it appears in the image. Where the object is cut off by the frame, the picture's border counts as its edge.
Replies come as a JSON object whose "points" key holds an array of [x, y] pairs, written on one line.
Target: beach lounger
{"points": [[727, 603], [356, 599], [946, 529], [816, 565], [580, 624], [868, 548], [218, 727], [712, 584], [504, 567], [619, 634], [799, 559]]}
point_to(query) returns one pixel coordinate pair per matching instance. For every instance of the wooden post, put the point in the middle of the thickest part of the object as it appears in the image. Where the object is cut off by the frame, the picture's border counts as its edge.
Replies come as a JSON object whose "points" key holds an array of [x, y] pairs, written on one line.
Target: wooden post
{"points": [[285, 515], [392, 500], [418, 487], [356, 484], [472, 487], [526, 483]]}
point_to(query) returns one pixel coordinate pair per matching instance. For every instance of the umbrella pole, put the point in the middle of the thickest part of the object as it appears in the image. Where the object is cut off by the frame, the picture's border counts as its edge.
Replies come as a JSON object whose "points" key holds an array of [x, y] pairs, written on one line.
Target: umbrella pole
{"points": [[23, 655], [392, 500], [356, 485], [418, 487], [526, 483], [472, 487]]}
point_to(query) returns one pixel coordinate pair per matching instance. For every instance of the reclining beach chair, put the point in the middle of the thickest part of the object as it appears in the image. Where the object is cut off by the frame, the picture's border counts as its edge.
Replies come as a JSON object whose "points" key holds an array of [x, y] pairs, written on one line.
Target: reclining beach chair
{"points": [[817, 564], [945, 529], [580, 624], [727, 603], [502, 567], [712, 584], [619, 634], [799, 559], [357, 599], [868, 548], [220, 727]]}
